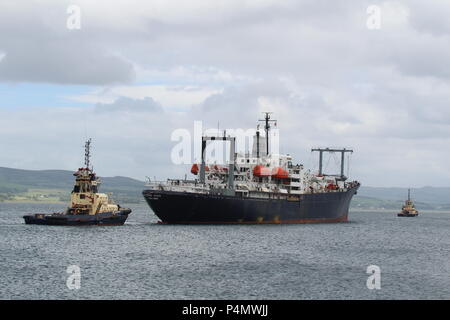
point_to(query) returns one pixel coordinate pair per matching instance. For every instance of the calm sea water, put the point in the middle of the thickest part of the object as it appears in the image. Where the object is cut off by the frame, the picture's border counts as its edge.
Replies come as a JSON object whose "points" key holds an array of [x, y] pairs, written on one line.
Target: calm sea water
{"points": [[144, 260]]}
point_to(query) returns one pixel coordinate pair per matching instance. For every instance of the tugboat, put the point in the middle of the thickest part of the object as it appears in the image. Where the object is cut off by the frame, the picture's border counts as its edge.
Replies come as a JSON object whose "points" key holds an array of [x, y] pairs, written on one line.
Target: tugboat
{"points": [[255, 188], [87, 207], [408, 210]]}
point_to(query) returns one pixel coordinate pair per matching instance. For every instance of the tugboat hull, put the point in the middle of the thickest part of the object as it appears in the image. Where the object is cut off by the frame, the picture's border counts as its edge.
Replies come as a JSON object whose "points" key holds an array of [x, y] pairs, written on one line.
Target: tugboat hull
{"points": [[100, 219], [402, 214], [174, 207]]}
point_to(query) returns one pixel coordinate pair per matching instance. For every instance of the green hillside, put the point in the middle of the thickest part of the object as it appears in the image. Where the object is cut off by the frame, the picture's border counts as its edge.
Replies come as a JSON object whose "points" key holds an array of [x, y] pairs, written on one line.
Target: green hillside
{"points": [[361, 202], [431, 195], [55, 186]]}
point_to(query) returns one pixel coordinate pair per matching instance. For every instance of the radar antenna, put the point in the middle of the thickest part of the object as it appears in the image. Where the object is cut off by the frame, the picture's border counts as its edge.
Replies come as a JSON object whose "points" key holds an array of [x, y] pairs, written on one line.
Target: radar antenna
{"points": [[87, 153], [267, 121]]}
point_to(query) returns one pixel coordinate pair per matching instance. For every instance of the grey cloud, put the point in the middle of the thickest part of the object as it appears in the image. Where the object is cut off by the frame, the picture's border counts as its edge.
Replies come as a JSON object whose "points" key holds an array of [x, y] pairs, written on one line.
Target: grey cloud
{"points": [[312, 40], [127, 143], [420, 55], [378, 91], [431, 18], [39, 48], [124, 104], [64, 65]]}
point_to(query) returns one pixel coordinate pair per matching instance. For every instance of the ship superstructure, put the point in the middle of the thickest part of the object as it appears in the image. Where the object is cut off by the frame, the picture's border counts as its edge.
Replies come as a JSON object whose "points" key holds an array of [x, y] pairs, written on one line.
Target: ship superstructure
{"points": [[87, 205], [257, 187]]}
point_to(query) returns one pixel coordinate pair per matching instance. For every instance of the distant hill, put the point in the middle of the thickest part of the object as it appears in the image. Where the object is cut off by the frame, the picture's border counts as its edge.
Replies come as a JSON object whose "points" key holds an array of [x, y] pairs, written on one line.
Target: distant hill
{"points": [[431, 195], [426, 198], [43, 182], [55, 185]]}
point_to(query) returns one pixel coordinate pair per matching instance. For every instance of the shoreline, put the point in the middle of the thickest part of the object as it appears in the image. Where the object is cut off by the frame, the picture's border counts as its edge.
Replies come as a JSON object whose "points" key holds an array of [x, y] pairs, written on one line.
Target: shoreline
{"points": [[351, 210], [394, 211], [49, 202], [32, 202]]}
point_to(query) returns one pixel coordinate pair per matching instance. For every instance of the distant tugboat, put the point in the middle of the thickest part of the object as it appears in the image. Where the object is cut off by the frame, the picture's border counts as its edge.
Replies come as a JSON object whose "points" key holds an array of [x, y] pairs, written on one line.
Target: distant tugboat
{"points": [[408, 210], [87, 207]]}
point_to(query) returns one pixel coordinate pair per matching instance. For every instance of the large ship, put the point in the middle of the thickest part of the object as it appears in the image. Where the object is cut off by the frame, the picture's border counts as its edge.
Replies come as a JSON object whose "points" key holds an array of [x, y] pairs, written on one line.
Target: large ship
{"points": [[257, 188], [87, 205]]}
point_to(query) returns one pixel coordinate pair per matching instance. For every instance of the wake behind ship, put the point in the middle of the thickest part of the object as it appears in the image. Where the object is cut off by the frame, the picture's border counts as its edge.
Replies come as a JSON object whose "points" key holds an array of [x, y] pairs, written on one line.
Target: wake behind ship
{"points": [[256, 188]]}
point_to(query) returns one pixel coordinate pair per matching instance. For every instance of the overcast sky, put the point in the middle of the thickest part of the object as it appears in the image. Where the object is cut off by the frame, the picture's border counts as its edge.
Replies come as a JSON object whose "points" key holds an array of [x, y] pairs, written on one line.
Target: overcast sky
{"points": [[137, 70]]}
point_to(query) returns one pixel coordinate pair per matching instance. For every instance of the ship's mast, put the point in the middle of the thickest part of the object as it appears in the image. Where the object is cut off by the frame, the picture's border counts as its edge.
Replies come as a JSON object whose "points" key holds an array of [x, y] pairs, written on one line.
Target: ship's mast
{"points": [[342, 151], [409, 194], [267, 121], [87, 153], [231, 165], [257, 143]]}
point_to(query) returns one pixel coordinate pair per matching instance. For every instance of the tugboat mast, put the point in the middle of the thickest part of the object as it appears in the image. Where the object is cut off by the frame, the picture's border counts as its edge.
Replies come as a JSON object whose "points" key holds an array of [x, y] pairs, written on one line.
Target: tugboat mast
{"points": [[87, 153], [267, 121]]}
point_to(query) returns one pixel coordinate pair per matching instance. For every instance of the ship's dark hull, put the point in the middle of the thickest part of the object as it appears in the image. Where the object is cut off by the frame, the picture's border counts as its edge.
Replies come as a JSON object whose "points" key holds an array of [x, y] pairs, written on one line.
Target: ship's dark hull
{"points": [[100, 219], [192, 208]]}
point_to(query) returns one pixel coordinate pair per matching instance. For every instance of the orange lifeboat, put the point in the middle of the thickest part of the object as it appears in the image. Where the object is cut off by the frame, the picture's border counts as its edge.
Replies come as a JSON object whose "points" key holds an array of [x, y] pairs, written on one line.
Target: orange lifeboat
{"points": [[332, 186], [280, 173], [194, 169], [261, 171]]}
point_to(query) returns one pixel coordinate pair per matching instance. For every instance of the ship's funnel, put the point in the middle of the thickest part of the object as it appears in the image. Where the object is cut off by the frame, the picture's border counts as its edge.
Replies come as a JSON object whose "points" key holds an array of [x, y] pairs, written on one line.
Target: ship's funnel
{"points": [[262, 146]]}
